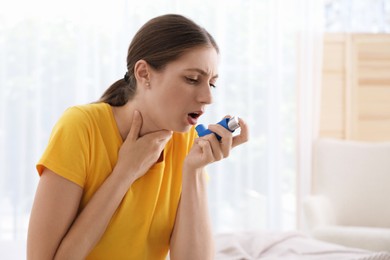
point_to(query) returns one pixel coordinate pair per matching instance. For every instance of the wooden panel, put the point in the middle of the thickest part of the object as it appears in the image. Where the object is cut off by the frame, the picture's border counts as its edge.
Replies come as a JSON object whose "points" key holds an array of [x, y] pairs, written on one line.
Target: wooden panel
{"points": [[374, 93], [334, 60], [333, 87], [356, 87], [332, 107], [372, 78], [374, 111], [374, 130]]}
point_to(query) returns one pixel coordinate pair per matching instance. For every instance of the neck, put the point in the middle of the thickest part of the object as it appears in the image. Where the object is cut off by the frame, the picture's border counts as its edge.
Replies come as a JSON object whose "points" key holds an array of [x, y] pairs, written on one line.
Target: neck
{"points": [[124, 116]]}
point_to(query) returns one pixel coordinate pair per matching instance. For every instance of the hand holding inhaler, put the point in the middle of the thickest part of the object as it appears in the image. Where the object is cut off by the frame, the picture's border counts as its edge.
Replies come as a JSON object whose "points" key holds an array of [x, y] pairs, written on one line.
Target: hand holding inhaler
{"points": [[230, 124]]}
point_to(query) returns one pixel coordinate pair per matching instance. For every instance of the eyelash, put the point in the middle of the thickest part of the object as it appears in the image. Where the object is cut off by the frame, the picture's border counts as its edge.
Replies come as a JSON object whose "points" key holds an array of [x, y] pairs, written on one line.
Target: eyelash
{"points": [[195, 81]]}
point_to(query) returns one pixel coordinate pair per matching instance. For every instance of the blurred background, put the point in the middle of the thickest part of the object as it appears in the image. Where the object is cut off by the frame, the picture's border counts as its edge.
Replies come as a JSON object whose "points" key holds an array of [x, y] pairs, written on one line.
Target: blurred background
{"points": [[56, 54]]}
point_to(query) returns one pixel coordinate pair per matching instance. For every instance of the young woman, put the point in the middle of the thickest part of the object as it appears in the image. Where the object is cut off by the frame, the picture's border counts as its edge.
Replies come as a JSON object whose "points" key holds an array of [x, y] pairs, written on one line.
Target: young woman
{"points": [[123, 178]]}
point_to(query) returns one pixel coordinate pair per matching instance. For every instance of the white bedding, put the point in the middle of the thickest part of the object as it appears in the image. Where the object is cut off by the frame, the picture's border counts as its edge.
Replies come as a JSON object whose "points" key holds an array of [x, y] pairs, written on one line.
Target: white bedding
{"points": [[286, 246]]}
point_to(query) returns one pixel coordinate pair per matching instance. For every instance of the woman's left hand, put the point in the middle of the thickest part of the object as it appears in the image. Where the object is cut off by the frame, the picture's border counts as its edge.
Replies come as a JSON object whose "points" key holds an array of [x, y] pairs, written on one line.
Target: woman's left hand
{"points": [[209, 149]]}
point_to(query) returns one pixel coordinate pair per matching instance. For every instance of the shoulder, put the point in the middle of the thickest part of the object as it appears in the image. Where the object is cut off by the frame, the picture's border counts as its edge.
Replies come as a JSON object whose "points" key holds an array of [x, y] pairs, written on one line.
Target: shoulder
{"points": [[87, 110], [72, 119], [75, 119], [83, 115]]}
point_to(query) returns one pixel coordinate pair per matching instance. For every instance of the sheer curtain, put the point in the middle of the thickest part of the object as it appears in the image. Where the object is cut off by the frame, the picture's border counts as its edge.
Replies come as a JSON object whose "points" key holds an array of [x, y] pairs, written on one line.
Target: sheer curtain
{"points": [[58, 54]]}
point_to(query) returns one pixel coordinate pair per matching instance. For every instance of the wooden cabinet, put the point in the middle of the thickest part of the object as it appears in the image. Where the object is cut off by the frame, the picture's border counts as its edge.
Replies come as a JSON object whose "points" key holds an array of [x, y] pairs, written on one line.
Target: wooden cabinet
{"points": [[355, 101]]}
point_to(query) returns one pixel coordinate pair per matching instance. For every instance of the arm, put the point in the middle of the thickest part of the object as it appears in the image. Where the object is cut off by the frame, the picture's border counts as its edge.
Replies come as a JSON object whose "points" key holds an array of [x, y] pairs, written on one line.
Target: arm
{"points": [[48, 226], [52, 233], [192, 235], [56, 231]]}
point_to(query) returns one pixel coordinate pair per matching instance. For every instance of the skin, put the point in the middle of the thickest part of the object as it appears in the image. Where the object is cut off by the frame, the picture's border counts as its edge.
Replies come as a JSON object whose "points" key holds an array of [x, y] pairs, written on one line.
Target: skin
{"points": [[182, 87]]}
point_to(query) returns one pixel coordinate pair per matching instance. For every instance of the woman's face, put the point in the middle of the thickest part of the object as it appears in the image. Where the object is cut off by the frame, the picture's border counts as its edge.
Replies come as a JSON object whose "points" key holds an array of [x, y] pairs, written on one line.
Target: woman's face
{"points": [[179, 93]]}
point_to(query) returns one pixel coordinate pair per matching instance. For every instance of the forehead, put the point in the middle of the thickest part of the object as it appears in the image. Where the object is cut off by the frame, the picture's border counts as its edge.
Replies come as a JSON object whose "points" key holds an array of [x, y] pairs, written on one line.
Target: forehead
{"points": [[202, 58]]}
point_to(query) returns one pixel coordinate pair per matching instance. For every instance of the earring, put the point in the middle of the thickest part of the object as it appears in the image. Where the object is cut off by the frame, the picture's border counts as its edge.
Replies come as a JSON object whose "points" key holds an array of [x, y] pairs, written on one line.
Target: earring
{"points": [[147, 84]]}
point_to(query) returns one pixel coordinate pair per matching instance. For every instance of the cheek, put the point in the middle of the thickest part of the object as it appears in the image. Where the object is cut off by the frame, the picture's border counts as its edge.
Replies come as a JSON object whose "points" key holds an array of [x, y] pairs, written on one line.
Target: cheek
{"points": [[175, 96], [176, 105]]}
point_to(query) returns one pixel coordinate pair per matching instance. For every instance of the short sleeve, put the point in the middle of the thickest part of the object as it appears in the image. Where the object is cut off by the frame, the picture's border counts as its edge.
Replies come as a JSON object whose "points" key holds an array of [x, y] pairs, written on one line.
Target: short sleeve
{"points": [[67, 153]]}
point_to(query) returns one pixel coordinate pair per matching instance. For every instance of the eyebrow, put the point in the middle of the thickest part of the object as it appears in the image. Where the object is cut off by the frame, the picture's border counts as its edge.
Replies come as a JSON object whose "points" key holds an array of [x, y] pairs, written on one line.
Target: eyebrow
{"points": [[202, 72]]}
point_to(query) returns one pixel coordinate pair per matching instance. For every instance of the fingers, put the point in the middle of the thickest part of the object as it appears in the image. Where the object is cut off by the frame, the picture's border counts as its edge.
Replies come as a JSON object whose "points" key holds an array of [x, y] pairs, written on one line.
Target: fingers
{"points": [[227, 141], [159, 137], [135, 127], [244, 134], [206, 150], [225, 144], [215, 147]]}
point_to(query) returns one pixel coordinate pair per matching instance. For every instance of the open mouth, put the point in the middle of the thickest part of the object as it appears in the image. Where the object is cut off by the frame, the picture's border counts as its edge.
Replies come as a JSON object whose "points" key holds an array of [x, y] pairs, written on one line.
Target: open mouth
{"points": [[193, 117]]}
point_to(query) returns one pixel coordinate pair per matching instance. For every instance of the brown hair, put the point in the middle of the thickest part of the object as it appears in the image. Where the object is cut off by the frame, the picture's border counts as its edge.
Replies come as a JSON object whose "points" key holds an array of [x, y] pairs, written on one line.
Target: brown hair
{"points": [[161, 40]]}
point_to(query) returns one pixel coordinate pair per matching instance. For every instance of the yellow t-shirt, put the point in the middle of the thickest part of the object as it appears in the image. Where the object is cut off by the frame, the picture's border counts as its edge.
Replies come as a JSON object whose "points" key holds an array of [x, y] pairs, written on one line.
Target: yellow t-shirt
{"points": [[83, 148]]}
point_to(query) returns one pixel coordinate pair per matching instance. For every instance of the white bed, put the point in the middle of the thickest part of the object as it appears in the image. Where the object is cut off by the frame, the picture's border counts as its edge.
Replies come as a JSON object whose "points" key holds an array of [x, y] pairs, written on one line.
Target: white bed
{"points": [[286, 246], [255, 245]]}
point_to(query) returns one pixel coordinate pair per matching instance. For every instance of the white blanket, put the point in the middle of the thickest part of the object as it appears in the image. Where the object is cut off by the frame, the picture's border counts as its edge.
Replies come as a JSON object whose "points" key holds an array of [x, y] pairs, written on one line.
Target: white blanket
{"points": [[286, 246]]}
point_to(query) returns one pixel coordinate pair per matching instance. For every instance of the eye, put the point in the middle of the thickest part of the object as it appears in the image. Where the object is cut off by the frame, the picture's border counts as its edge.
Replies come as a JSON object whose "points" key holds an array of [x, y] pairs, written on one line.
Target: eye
{"points": [[213, 85], [191, 80]]}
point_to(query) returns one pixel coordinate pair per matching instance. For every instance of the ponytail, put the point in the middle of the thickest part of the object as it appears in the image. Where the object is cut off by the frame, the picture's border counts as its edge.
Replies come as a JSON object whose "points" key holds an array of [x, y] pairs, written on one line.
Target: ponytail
{"points": [[120, 92]]}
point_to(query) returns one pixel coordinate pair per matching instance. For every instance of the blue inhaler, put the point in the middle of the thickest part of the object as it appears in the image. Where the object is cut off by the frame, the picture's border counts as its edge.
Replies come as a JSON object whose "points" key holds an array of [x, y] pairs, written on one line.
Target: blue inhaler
{"points": [[230, 124]]}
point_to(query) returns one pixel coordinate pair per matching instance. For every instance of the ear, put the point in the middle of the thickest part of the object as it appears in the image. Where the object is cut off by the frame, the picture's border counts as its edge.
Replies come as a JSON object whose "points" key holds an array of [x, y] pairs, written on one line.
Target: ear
{"points": [[142, 72]]}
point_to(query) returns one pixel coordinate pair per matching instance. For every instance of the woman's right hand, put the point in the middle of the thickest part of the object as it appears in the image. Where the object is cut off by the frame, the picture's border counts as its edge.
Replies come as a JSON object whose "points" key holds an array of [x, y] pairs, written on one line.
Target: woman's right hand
{"points": [[137, 154]]}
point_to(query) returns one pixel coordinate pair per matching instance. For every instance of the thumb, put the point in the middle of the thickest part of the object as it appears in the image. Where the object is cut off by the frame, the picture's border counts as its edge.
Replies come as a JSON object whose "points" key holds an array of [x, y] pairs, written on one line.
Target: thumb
{"points": [[136, 125]]}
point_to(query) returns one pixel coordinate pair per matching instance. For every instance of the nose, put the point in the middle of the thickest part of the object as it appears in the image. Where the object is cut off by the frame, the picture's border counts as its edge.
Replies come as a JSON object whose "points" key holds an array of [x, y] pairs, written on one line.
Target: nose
{"points": [[205, 96]]}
